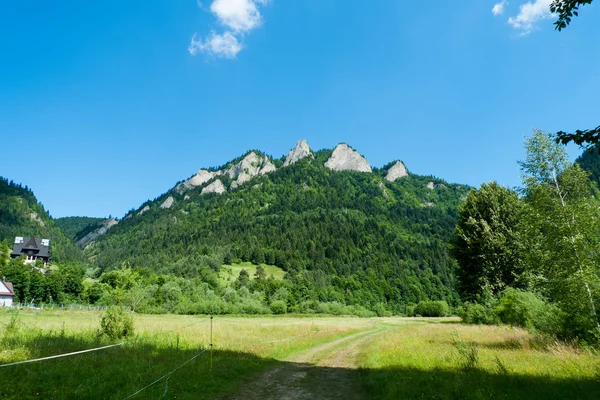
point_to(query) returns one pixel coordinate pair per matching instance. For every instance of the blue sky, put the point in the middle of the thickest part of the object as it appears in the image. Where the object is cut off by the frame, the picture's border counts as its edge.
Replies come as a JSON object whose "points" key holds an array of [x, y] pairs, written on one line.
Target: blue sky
{"points": [[106, 104]]}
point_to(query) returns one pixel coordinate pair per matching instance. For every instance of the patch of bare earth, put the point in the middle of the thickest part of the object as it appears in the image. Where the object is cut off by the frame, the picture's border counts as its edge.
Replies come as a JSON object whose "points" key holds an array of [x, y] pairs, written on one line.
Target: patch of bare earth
{"points": [[327, 371]]}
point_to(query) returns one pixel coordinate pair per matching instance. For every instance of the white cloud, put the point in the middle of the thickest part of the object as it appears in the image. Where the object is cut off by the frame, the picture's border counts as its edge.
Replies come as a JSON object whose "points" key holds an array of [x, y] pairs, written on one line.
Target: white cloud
{"points": [[225, 45], [499, 8], [529, 14], [239, 17]]}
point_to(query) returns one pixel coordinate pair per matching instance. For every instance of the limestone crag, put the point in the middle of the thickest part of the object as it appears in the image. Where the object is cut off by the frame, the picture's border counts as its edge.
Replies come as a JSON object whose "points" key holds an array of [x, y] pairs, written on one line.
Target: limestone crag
{"points": [[96, 233], [431, 185], [215, 187], [143, 210], [345, 158], [199, 179], [302, 150], [35, 217], [397, 171], [268, 166], [168, 203], [250, 166]]}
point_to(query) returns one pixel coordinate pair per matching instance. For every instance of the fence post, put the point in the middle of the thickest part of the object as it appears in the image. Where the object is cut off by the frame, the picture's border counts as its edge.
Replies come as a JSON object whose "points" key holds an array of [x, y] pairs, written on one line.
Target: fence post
{"points": [[211, 342]]}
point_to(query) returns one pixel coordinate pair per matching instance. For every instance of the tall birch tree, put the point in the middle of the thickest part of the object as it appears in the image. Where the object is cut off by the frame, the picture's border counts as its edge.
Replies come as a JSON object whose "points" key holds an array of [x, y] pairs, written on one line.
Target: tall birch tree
{"points": [[562, 221]]}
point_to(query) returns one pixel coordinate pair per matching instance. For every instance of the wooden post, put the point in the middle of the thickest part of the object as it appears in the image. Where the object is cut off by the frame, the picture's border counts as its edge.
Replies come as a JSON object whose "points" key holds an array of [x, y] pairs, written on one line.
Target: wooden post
{"points": [[211, 342]]}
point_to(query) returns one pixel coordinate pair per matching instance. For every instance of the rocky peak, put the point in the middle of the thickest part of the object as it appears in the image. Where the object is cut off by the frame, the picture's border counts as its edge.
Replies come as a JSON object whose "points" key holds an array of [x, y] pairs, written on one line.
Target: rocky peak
{"points": [[250, 166], [398, 170], [215, 187], [199, 179], [302, 150], [344, 158]]}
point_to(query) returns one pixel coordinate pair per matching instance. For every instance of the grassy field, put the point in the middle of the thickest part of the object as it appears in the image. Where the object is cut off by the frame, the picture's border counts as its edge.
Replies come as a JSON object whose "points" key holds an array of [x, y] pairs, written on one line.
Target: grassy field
{"points": [[229, 273], [309, 357]]}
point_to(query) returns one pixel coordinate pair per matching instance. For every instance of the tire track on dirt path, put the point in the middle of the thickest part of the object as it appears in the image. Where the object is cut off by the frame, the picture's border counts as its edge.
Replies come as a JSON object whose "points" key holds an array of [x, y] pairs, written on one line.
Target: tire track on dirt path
{"points": [[326, 371]]}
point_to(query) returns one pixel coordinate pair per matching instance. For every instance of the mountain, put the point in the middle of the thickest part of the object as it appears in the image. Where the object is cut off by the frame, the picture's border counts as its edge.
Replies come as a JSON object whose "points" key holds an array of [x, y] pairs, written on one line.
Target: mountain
{"points": [[22, 215], [342, 230]]}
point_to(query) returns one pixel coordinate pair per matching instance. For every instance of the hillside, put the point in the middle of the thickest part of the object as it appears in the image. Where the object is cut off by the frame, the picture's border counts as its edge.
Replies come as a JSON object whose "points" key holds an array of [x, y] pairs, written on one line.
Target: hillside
{"points": [[590, 161], [72, 226], [22, 215], [343, 231]]}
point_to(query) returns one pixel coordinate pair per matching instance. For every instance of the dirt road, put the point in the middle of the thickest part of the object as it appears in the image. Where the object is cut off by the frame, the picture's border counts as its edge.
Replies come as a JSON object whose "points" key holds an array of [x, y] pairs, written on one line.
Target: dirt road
{"points": [[326, 371]]}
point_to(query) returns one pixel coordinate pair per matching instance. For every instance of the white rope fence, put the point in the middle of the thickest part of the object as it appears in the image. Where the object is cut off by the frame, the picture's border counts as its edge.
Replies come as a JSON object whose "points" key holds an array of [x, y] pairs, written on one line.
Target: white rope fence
{"points": [[63, 355], [96, 348], [167, 375]]}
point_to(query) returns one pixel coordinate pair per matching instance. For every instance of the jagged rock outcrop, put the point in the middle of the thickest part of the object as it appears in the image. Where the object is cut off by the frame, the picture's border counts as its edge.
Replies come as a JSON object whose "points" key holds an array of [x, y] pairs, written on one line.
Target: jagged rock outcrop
{"points": [[431, 185], [35, 217], [168, 203], [250, 166], [143, 210], [344, 158], [96, 233], [397, 171], [199, 179], [215, 187], [302, 150]]}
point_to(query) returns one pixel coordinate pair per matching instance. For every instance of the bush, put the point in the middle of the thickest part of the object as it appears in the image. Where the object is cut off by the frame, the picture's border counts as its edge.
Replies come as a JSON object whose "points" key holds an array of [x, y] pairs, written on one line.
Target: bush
{"points": [[381, 311], [116, 323], [278, 307], [474, 313], [432, 309], [527, 310]]}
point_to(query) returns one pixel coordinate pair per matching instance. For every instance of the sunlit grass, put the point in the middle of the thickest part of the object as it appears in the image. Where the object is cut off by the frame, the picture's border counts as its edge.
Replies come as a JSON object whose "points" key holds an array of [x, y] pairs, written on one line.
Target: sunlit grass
{"points": [[229, 273], [507, 362], [406, 358]]}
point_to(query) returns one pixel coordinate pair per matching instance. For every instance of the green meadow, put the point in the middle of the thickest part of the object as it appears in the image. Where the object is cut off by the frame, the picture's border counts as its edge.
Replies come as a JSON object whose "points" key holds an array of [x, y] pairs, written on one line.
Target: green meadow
{"points": [[301, 357]]}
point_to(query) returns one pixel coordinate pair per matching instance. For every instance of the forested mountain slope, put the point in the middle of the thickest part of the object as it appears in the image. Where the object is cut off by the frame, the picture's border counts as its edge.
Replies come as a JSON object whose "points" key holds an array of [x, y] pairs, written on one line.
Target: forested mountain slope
{"points": [[72, 226], [342, 235], [22, 215]]}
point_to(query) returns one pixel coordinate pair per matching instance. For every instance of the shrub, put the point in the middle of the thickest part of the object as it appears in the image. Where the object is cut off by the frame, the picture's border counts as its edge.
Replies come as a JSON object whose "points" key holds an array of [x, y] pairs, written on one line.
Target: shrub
{"points": [[278, 307], [474, 313], [116, 323], [527, 310], [381, 311], [432, 309]]}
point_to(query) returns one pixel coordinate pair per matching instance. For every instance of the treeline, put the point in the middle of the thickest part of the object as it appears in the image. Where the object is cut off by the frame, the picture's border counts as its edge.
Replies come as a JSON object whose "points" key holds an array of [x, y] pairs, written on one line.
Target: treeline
{"points": [[531, 257]]}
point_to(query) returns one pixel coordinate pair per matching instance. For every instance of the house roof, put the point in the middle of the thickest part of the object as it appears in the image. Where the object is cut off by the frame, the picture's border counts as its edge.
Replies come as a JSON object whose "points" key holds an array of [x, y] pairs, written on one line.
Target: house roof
{"points": [[32, 246], [6, 289]]}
